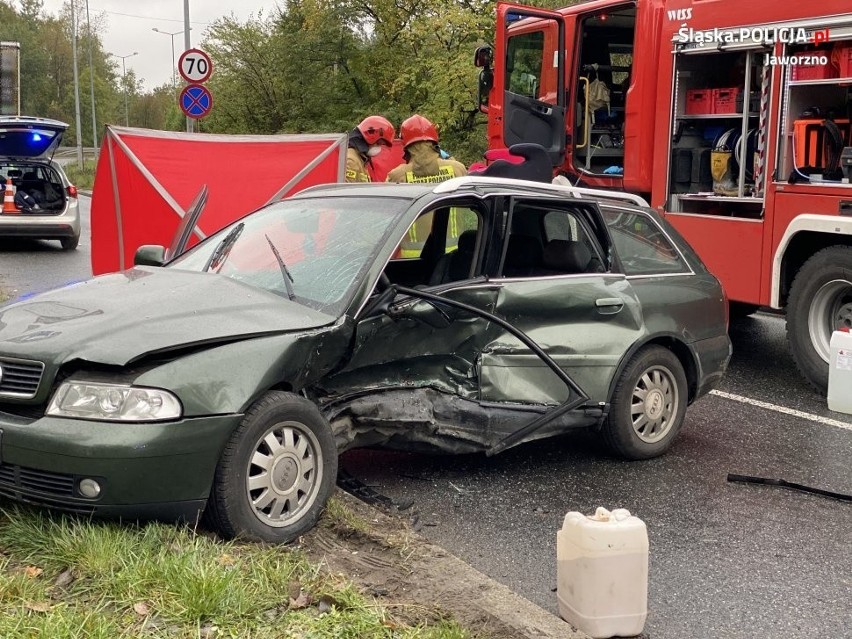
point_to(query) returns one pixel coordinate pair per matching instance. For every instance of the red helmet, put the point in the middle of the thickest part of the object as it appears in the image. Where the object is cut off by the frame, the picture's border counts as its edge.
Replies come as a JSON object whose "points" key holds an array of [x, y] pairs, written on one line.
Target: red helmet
{"points": [[377, 130], [416, 129]]}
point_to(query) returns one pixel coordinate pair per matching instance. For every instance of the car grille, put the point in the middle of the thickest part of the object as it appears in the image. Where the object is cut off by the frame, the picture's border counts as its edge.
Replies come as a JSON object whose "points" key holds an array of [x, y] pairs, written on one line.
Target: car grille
{"points": [[40, 487], [20, 377]]}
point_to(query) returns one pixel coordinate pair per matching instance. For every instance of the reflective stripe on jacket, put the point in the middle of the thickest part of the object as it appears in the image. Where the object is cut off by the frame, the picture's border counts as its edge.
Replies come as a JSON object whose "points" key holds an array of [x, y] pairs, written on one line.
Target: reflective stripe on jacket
{"points": [[444, 173]]}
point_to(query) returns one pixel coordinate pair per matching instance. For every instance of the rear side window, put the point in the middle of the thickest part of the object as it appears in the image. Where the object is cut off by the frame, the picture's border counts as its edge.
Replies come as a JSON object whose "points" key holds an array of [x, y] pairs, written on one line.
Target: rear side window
{"points": [[641, 244]]}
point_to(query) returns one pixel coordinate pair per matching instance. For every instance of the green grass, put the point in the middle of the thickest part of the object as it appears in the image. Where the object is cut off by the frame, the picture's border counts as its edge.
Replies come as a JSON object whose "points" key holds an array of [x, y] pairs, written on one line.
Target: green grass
{"points": [[161, 580], [81, 178]]}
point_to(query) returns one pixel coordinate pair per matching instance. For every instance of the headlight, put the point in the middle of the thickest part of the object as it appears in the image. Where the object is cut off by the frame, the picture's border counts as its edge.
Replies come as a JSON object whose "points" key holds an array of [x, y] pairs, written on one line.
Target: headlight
{"points": [[113, 402]]}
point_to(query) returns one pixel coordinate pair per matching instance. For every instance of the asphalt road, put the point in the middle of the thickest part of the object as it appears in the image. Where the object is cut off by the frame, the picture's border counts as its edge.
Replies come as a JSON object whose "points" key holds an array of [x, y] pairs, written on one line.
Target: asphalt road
{"points": [[31, 266], [727, 560]]}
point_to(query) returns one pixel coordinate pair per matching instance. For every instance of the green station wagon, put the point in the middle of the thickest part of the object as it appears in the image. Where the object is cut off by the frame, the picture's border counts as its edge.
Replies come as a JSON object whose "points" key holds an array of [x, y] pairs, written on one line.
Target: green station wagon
{"points": [[468, 316]]}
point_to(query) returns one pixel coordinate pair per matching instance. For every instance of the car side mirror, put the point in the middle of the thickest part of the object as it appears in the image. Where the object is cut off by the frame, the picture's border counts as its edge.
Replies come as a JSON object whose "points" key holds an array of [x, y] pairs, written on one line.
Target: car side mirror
{"points": [[150, 255]]}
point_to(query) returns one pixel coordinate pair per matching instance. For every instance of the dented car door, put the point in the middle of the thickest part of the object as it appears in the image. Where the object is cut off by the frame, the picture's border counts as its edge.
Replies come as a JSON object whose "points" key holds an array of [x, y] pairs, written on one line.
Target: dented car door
{"points": [[558, 285]]}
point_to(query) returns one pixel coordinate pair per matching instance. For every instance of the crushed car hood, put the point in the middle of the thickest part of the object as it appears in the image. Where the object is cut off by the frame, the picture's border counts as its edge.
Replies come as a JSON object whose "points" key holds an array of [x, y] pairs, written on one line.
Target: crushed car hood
{"points": [[118, 318]]}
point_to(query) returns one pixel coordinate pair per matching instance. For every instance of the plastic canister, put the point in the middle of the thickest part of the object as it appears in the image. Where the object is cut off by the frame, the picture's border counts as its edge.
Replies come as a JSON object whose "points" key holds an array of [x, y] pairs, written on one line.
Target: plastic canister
{"points": [[840, 372], [602, 573]]}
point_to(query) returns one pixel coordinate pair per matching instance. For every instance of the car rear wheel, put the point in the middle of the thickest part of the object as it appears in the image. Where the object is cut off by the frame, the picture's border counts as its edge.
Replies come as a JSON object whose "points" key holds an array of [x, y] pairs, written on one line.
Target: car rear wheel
{"points": [[648, 405], [69, 243], [276, 472]]}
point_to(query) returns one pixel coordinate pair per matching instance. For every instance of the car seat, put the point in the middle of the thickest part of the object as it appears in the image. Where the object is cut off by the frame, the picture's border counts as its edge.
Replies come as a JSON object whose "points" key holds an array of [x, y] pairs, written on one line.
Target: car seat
{"points": [[456, 265], [523, 256], [564, 257], [536, 165]]}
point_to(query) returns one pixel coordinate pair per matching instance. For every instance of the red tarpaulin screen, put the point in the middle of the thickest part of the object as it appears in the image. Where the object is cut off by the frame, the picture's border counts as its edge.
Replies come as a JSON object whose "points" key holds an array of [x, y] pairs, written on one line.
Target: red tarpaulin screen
{"points": [[146, 179]]}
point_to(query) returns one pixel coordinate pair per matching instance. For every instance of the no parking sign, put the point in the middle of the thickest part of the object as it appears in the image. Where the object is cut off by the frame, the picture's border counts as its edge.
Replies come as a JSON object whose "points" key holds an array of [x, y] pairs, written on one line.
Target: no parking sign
{"points": [[196, 101], [195, 67]]}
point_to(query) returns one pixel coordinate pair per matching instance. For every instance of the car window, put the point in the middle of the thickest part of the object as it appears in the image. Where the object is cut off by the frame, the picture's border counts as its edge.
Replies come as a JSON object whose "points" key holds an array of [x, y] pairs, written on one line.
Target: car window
{"points": [[325, 244], [641, 245], [545, 240], [441, 246], [459, 220]]}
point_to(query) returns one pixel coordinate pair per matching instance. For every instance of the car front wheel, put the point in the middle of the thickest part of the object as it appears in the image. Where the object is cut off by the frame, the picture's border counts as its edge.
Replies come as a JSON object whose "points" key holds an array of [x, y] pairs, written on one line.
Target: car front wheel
{"points": [[648, 405], [276, 472]]}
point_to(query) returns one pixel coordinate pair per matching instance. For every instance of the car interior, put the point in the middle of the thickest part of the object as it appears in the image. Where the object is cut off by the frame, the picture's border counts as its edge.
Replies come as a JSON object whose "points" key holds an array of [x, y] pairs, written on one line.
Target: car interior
{"points": [[37, 180], [450, 245]]}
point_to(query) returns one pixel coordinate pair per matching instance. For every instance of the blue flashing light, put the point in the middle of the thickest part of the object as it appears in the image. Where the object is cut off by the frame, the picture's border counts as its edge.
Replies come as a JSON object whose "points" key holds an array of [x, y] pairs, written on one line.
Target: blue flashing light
{"points": [[36, 137]]}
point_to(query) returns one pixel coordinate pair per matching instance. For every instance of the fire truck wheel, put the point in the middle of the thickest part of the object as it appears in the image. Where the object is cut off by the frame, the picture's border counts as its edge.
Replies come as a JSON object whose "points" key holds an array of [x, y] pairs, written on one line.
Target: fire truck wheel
{"points": [[820, 302], [648, 405]]}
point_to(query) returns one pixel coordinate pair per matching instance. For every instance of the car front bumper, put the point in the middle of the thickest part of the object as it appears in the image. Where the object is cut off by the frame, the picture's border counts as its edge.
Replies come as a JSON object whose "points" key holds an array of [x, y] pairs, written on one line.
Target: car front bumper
{"points": [[146, 471], [67, 224]]}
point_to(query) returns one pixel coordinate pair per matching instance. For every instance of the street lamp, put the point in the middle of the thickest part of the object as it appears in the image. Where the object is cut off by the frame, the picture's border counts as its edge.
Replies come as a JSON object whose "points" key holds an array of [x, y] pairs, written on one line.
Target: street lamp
{"points": [[172, 36], [124, 82]]}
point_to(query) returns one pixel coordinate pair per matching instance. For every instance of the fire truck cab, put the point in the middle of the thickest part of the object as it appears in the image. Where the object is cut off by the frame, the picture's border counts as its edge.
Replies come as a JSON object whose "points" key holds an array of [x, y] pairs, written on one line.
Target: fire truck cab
{"points": [[731, 118]]}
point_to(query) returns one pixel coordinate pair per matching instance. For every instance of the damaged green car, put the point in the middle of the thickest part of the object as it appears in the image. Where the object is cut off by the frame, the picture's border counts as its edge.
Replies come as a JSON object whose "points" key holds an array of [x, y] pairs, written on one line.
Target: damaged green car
{"points": [[468, 316]]}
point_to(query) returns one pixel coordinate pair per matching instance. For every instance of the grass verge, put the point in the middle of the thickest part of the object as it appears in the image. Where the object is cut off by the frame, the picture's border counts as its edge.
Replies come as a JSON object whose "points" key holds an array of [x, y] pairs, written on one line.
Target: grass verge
{"points": [[69, 578], [81, 178]]}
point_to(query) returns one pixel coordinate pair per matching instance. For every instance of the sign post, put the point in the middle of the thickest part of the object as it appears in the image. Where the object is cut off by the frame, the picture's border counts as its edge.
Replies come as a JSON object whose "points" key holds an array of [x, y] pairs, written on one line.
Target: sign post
{"points": [[195, 66]]}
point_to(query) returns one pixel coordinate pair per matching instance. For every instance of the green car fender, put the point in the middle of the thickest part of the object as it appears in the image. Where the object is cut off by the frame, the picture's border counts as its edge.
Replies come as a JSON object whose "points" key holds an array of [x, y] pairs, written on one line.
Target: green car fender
{"points": [[226, 379]]}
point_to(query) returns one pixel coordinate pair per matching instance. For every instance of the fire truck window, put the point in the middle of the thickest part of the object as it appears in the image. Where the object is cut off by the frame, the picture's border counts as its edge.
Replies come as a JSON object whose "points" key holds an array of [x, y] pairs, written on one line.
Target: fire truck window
{"points": [[523, 64], [641, 245]]}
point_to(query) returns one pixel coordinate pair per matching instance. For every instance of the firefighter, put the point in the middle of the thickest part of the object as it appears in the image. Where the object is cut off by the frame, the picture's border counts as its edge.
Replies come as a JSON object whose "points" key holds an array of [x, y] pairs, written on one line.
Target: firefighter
{"points": [[422, 155], [366, 141]]}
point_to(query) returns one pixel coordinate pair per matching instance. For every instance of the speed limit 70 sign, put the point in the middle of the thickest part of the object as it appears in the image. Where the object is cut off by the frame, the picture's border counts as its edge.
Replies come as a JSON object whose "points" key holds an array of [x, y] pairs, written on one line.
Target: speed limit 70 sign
{"points": [[195, 66]]}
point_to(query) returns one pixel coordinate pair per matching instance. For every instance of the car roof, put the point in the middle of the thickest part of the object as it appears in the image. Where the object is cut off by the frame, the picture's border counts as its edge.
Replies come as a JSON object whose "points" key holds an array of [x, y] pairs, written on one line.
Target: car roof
{"points": [[472, 184]]}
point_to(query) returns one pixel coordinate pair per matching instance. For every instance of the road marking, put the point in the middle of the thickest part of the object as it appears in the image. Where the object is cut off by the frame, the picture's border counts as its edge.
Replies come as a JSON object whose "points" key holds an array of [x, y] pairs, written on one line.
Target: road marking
{"points": [[784, 410]]}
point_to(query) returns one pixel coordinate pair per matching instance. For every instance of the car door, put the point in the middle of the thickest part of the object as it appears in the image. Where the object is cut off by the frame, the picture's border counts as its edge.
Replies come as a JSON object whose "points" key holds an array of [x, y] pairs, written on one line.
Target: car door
{"points": [[558, 285], [414, 343]]}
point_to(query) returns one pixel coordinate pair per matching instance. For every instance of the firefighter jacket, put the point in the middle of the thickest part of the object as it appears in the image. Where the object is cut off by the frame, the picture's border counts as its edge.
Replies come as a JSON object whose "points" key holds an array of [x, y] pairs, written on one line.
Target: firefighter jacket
{"points": [[356, 168], [426, 165]]}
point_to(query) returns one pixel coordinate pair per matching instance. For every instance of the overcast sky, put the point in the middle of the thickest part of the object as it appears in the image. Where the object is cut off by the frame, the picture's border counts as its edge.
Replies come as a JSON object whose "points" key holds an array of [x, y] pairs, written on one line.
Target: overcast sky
{"points": [[130, 23]]}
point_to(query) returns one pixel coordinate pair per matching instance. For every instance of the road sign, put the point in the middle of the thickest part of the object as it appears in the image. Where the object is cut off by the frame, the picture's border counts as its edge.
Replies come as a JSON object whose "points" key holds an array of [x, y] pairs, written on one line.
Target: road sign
{"points": [[195, 66], [196, 101]]}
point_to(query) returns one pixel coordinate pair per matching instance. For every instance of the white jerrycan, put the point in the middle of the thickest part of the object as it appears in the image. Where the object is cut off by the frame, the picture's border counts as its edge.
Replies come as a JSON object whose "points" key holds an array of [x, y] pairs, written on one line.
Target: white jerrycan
{"points": [[602, 573], [840, 372]]}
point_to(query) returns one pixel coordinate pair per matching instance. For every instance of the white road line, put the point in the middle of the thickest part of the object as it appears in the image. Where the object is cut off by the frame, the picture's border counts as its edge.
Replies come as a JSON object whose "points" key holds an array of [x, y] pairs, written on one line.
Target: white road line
{"points": [[782, 409]]}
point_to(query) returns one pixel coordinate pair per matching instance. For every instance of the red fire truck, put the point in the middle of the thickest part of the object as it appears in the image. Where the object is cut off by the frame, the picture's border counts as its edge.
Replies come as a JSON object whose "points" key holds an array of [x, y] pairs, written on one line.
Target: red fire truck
{"points": [[731, 118]]}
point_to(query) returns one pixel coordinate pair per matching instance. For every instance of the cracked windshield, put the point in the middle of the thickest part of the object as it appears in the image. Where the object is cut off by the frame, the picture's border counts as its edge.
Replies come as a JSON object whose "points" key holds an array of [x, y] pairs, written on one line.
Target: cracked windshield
{"points": [[311, 251]]}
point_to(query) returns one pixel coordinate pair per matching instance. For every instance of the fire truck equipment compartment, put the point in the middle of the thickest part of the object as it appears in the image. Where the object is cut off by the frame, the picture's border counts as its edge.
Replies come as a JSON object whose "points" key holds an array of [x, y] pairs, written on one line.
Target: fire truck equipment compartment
{"points": [[811, 140]]}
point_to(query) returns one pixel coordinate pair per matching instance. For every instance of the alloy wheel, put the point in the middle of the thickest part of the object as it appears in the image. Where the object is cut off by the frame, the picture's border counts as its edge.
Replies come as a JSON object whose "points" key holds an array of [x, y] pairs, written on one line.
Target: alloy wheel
{"points": [[654, 404], [284, 474]]}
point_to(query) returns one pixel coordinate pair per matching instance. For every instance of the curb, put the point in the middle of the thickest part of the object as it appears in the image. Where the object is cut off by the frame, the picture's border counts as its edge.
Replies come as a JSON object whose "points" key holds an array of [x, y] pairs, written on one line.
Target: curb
{"points": [[464, 589]]}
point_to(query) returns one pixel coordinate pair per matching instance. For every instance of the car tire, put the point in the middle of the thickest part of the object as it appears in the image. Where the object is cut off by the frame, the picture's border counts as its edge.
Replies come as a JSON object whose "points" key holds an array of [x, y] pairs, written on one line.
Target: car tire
{"points": [[283, 496], [820, 301], [69, 243], [654, 376]]}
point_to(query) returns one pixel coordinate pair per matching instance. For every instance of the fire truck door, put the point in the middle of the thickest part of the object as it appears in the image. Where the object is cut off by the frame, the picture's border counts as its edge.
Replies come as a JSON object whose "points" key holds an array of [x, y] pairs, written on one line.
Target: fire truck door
{"points": [[531, 75]]}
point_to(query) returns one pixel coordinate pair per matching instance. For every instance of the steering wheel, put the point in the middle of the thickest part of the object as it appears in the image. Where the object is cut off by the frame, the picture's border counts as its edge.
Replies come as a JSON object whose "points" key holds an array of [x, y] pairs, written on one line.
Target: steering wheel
{"points": [[384, 282]]}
